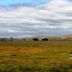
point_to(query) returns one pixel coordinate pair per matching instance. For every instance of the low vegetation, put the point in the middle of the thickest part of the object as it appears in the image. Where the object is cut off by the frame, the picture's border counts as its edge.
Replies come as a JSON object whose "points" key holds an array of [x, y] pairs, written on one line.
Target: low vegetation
{"points": [[35, 56]]}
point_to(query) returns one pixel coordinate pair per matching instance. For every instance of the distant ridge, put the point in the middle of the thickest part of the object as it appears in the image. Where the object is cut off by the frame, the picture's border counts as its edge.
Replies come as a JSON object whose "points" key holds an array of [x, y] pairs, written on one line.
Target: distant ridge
{"points": [[67, 36]]}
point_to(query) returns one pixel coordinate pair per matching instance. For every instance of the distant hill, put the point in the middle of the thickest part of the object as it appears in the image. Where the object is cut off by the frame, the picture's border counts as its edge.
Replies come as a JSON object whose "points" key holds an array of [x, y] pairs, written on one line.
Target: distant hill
{"points": [[67, 36], [50, 38]]}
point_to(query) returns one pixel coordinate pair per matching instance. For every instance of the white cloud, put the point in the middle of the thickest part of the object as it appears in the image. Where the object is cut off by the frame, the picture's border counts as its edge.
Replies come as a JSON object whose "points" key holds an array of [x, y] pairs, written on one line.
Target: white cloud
{"points": [[11, 31], [55, 16]]}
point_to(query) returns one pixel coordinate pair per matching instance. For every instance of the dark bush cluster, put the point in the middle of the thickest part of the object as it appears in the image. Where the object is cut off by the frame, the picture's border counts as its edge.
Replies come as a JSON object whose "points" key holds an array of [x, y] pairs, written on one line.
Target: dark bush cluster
{"points": [[6, 39]]}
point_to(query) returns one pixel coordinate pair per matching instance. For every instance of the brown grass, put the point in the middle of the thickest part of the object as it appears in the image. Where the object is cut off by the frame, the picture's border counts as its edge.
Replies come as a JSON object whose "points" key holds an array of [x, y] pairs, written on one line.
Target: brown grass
{"points": [[38, 52]]}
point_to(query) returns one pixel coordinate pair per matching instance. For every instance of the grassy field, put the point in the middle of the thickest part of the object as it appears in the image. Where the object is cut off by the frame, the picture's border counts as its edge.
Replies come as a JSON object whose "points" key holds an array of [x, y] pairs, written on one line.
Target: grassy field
{"points": [[32, 56]]}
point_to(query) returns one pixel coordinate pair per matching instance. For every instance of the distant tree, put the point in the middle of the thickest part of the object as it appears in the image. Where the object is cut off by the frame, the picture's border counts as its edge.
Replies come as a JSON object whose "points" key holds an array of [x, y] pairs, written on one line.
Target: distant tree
{"points": [[11, 39], [3, 39], [45, 39], [35, 39]]}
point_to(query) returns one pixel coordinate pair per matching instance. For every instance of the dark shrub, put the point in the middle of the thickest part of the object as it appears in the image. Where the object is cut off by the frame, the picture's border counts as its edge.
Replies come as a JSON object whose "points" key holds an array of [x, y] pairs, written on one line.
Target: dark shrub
{"points": [[35, 39], [45, 39]]}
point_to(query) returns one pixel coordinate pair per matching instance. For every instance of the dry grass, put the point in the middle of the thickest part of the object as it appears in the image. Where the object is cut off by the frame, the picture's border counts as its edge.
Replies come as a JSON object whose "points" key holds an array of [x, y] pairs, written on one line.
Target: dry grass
{"points": [[29, 56], [35, 51]]}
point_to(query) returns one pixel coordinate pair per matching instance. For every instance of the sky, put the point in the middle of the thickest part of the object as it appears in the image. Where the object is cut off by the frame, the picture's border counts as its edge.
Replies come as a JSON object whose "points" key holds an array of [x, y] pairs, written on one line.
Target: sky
{"points": [[10, 2], [27, 18]]}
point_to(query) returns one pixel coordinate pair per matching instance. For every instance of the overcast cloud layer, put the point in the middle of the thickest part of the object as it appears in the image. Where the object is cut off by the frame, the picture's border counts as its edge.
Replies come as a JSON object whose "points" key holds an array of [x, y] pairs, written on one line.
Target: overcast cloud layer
{"points": [[53, 18]]}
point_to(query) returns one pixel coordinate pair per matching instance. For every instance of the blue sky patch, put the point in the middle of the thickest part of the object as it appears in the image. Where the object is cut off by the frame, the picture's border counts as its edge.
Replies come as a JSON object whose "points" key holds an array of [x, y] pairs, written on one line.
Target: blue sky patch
{"points": [[9, 2]]}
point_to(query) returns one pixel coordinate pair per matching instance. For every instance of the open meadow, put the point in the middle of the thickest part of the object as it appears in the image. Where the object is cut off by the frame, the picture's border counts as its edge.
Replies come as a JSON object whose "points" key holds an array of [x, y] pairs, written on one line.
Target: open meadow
{"points": [[35, 56]]}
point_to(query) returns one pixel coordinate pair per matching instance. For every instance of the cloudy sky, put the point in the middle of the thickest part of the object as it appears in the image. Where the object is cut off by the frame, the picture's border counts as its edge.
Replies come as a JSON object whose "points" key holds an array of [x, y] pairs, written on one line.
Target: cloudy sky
{"points": [[25, 18]]}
